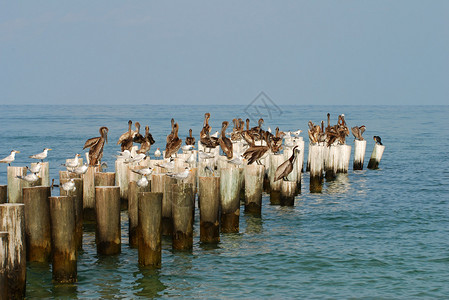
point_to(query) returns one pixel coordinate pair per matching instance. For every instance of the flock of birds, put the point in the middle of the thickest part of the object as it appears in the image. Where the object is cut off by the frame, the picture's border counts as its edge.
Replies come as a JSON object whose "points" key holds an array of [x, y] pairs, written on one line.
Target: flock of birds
{"points": [[256, 145]]}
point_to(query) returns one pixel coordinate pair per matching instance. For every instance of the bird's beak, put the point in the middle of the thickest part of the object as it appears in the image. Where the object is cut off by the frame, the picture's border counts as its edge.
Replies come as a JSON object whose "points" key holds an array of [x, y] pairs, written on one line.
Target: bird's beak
{"points": [[17, 151], [50, 149]]}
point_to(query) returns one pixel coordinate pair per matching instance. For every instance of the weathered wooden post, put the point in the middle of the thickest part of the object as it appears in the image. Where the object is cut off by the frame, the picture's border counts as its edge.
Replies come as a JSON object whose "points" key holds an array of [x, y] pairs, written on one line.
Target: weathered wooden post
{"points": [[359, 154], [316, 168], [121, 178], [149, 228], [182, 216], [78, 196], [89, 194], [15, 185], [104, 179], [210, 202], [229, 184], [3, 265], [12, 220], [62, 213], [157, 183], [167, 207], [376, 156], [344, 157], [37, 223], [288, 191], [275, 187], [3, 193], [331, 162], [133, 204], [44, 173], [108, 220], [253, 188]]}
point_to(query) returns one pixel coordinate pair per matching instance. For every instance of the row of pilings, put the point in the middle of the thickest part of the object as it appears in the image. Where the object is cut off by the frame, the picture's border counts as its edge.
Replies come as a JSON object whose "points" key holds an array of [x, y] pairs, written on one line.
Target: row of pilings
{"points": [[37, 226]]}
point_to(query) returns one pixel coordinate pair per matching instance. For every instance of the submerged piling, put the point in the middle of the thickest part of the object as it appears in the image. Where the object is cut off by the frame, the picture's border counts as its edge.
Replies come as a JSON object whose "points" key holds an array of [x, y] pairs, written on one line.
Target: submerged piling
{"points": [[210, 201], [229, 187], [133, 206], [149, 229], [359, 154], [12, 220], [376, 156], [167, 206], [253, 188], [108, 220], [64, 262], [37, 223], [316, 168], [182, 216], [288, 191]]}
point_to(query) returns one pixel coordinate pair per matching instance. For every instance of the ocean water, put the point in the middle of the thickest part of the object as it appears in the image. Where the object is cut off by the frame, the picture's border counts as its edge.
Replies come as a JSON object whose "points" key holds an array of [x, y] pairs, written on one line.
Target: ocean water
{"points": [[371, 234]]}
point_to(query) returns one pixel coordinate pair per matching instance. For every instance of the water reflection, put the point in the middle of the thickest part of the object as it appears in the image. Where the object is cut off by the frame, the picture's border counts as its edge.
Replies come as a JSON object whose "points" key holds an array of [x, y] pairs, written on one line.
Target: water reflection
{"points": [[254, 224], [148, 283], [108, 284], [66, 291], [340, 185]]}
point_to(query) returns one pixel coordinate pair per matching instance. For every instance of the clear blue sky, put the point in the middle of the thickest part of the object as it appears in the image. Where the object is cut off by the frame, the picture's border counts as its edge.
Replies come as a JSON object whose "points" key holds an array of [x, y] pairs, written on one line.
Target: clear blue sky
{"points": [[224, 52]]}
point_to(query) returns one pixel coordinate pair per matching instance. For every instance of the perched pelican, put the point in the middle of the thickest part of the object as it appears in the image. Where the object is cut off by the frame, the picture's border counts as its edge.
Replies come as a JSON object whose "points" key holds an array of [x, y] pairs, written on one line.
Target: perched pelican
{"points": [[358, 131], [32, 177], [80, 170], [147, 141], [96, 145], [174, 144], [41, 155], [180, 176], [157, 153], [170, 136], [205, 138], [137, 137], [256, 153], [225, 142], [286, 167], [69, 185], [10, 158], [377, 139], [126, 139], [144, 172], [190, 140], [142, 182], [36, 168]]}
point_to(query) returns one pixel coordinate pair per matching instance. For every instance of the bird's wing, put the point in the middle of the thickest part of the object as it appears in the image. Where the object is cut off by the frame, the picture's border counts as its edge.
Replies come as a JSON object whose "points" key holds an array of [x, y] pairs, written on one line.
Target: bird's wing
{"points": [[91, 142]]}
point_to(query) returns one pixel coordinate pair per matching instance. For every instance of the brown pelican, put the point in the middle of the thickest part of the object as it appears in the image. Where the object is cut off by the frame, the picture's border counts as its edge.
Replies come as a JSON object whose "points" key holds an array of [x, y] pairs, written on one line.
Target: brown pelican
{"points": [[205, 138], [275, 141], [126, 139], [174, 144], [96, 145], [286, 167], [137, 137], [377, 139], [170, 136], [41, 155], [358, 131], [225, 142], [10, 158], [145, 144], [190, 140], [255, 153]]}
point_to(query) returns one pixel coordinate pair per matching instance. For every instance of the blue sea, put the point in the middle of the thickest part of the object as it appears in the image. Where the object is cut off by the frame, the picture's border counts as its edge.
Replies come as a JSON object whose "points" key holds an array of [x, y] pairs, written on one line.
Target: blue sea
{"points": [[371, 234]]}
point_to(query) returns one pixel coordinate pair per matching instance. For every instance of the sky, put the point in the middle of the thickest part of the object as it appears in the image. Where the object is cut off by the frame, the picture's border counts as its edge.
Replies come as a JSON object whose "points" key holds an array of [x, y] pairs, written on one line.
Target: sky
{"points": [[224, 52]]}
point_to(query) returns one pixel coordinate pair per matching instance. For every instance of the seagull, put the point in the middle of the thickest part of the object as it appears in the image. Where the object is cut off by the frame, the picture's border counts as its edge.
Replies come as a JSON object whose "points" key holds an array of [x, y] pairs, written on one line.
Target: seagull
{"points": [[73, 163], [142, 182], [69, 185], [135, 159], [157, 153], [187, 148], [144, 172], [238, 160], [180, 176], [36, 168], [209, 169], [215, 135], [10, 158], [296, 133], [80, 170], [191, 159], [41, 155], [204, 155], [167, 165], [32, 177], [123, 154]]}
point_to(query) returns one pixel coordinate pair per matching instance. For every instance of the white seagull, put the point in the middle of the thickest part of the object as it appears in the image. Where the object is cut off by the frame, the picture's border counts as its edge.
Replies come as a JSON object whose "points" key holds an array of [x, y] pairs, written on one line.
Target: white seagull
{"points": [[187, 148], [41, 155], [80, 170], [157, 153], [36, 168], [180, 176], [144, 172], [69, 185], [142, 182], [10, 158], [169, 165], [72, 163], [32, 177]]}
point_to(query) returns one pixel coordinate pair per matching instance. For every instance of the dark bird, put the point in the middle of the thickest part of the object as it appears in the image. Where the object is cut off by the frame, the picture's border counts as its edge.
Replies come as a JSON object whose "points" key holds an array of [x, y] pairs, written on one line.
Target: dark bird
{"points": [[377, 139], [96, 145], [170, 136], [137, 137], [205, 138], [190, 140], [358, 131], [225, 142], [126, 139], [255, 153], [145, 144], [174, 144], [286, 167]]}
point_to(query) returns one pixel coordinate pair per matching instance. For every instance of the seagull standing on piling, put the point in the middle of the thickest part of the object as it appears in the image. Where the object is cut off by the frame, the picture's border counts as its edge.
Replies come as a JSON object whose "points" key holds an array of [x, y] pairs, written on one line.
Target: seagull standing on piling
{"points": [[157, 153], [10, 158], [32, 177], [41, 155], [180, 176], [80, 170], [73, 163], [69, 185], [142, 182]]}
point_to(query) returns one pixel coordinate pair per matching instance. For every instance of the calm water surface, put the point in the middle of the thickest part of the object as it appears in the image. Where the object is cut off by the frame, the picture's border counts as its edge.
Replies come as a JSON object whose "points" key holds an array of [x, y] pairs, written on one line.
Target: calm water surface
{"points": [[370, 234]]}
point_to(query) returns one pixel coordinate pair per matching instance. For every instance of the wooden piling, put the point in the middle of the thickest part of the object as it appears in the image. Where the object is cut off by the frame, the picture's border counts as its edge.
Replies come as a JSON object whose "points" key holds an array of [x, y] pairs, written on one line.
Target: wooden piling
{"points": [[65, 175], [121, 178], [3, 194], [78, 197], [183, 200], [108, 220], [149, 229], [376, 156], [344, 153], [15, 185], [229, 184], [210, 202], [167, 206], [3, 265], [288, 191], [158, 183], [37, 223], [253, 188], [316, 168], [133, 204], [104, 179], [89, 194], [331, 165], [62, 213], [275, 187], [359, 154]]}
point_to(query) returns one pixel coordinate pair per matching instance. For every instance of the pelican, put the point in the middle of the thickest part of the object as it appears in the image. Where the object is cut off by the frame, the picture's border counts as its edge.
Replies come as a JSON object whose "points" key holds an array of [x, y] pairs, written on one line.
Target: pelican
{"points": [[10, 158], [174, 144], [69, 185], [144, 172], [180, 176], [126, 139], [358, 131], [170, 136], [142, 182], [225, 142], [80, 170], [32, 177], [377, 139], [36, 168], [147, 141], [157, 153], [137, 137], [190, 140], [256, 153], [96, 145], [286, 167], [41, 155]]}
